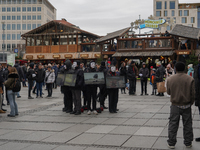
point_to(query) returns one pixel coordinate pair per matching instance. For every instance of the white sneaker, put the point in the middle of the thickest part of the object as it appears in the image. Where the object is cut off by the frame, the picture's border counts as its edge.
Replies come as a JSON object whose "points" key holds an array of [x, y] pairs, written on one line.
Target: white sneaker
{"points": [[171, 147], [189, 146], [89, 112], [95, 112]]}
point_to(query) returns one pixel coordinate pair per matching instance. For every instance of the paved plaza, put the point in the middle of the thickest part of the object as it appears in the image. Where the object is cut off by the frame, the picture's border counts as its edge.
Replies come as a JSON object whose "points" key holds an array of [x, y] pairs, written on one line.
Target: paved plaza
{"points": [[141, 123]]}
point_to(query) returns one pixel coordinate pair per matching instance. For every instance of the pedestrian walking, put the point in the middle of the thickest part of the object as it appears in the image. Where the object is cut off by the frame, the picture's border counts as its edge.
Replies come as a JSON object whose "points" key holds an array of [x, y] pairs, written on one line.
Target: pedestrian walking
{"points": [[55, 68], [31, 77], [24, 69], [144, 73], [40, 75], [49, 79], [160, 72], [123, 72], [182, 91]]}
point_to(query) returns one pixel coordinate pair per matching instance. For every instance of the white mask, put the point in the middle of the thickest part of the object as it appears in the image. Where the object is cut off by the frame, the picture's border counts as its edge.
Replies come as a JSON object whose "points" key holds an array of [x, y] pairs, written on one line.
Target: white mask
{"points": [[65, 66], [74, 65], [113, 69], [92, 65]]}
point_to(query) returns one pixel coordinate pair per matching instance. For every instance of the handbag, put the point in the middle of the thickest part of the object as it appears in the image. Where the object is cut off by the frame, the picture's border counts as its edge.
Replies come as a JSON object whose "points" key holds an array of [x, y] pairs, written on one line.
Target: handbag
{"points": [[161, 87], [47, 77]]}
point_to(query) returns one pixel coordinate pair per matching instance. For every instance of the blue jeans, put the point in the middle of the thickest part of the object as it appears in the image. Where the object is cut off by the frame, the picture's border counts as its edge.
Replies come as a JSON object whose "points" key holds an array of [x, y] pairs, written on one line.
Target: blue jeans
{"points": [[13, 104], [39, 88], [24, 82]]}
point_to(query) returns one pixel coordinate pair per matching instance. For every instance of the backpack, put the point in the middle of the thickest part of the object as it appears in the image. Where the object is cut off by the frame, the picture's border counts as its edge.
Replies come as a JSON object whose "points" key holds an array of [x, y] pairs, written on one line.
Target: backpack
{"points": [[16, 86]]}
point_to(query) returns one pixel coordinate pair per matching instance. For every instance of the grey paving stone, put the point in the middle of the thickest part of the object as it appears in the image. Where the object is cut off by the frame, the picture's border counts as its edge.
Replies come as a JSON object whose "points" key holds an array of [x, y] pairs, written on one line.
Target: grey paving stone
{"points": [[115, 121], [101, 129], [95, 120], [14, 146], [143, 116], [51, 119], [94, 148], [150, 110], [124, 130], [15, 135], [79, 128], [140, 142], [135, 122], [161, 116], [156, 122], [2, 131], [70, 148], [36, 136], [40, 147], [149, 131], [86, 139], [124, 115], [24, 118], [112, 140], [77, 119]]}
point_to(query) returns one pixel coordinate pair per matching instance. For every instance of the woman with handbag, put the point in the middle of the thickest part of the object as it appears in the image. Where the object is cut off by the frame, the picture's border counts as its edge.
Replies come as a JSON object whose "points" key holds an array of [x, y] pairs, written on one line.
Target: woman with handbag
{"points": [[49, 79], [10, 83]]}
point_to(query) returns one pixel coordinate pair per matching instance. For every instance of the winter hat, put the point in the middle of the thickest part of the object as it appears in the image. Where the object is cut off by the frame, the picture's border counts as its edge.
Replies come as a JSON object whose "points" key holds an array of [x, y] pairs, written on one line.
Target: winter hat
{"points": [[78, 62], [151, 67], [154, 69], [31, 65], [190, 65], [132, 62], [169, 66], [180, 66], [103, 63], [143, 63]]}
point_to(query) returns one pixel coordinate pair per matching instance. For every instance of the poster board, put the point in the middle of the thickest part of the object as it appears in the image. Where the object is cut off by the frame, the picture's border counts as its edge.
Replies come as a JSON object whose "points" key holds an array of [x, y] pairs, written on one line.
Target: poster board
{"points": [[70, 80], [11, 59], [94, 78], [115, 82], [60, 79]]}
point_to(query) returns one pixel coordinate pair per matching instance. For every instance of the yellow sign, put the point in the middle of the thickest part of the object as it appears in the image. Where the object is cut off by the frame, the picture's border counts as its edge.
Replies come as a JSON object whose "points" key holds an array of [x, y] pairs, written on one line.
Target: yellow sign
{"points": [[152, 23]]}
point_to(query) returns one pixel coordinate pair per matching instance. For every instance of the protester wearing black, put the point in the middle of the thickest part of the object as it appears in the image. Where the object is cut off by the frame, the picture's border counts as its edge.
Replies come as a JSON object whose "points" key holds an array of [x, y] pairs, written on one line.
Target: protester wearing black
{"points": [[24, 69], [66, 90], [160, 72], [76, 91], [123, 72], [144, 73], [31, 77], [103, 91], [131, 74], [40, 75]]}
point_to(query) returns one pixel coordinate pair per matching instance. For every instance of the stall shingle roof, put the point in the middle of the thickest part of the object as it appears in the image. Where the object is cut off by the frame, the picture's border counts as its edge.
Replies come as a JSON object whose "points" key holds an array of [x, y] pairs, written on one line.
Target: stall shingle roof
{"points": [[186, 31]]}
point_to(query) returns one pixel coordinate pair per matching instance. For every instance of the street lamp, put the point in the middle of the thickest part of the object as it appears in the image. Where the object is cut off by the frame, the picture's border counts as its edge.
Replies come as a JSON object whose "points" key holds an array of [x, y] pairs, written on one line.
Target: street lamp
{"points": [[3, 47]]}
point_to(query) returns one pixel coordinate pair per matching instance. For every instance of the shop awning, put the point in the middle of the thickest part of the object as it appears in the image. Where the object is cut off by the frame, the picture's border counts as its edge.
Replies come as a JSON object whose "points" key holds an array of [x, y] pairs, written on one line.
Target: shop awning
{"points": [[134, 54]]}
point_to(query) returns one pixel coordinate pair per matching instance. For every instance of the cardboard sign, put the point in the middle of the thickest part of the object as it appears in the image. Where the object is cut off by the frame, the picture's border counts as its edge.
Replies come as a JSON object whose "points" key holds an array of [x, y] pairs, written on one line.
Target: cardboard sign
{"points": [[60, 79], [115, 82], [94, 78], [70, 80]]}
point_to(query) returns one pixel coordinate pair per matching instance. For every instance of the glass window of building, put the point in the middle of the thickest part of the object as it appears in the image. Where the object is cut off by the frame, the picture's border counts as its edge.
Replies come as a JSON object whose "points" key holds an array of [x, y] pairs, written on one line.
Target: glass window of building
{"points": [[168, 27], [18, 26], [34, 1], [13, 27], [174, 19], [23, 8], [158, 5], [198, 16], [19, 1], [28, 1], [172, 4], [39, 17], [38, 25], [186, 12], [8, 27], [8, 47], [8, 9], [158, 13], [13, 46], [39, 9], [3, 36], [3, 9], [18, 36], [8, 1], [184, 20], [23, 26], [23, 17], [28, 17], [34, 17], [28, 26], [13, 37], [18, 9], [192, 19], [3, 17], [3, 26], [14, 1], [8, 37], [24, 2], [18, 17], [13, 9], [3, 47], [33, 26], [33, 8], [13, 17], [165, 4], [173, 13], [180, 12], [28, 8], [165, 13], [8, 17]]}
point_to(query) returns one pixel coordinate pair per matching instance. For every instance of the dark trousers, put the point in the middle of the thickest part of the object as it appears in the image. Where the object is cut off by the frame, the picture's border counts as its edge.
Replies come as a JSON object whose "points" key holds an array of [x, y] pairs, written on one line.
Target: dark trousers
{"points": [[30, 83], [6, 90], [49, 89], [85, 95], [39, 88], [35, 87], [24, 81], [67, 98], [54, 84], [175, 114], [76, 95], [92, 96], [102, 95], [113, 99], [131, 86], [144, 86]]}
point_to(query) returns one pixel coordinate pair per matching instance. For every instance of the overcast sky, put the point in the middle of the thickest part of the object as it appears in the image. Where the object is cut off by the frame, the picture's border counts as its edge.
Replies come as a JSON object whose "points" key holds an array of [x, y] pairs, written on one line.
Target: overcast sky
{"points": [[104, 16]]}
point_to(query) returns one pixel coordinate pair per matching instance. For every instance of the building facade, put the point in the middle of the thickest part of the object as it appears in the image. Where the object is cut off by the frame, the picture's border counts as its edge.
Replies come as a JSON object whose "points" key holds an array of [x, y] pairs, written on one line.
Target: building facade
{"points": [[176, 13], [20, 16]]}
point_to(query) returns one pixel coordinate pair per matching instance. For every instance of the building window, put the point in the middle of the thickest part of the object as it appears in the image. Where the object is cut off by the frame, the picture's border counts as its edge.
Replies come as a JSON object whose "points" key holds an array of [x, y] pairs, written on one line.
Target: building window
{"points": [[174, 19], [8, 9], [8, 47], [34, 9], [18, 26], [165, 4], [23, 26], [23, 8], [13, 37], [28, 26], [8, 37], [158, 5], [8, 17], [13, 27], [192, 19], [33, 26], [3, 47], [19, 1], [180, 12], [28, 1], [165, 13], [23, 17], [168, 28], [198, 16], [173, 13], [13, 46], [13, 9], [3, 36], [33, 17], [3, 17], [14, 1], [34, 1], [39, 17], [184, 20], [28, 8], [172, 4], [158, 13], [39, 9], [38, 25], [8, 27], [8, 1], [18, 37], [28, 17], [186, 12], [18, 9], [3, 9], [13, 17], [18, 17]]}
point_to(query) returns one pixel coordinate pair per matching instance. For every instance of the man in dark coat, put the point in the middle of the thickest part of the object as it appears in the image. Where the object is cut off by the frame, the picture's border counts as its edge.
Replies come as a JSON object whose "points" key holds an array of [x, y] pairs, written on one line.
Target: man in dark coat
{"points": [[197, 87], [31, 77], [40, 75], [144, 73], [160, 72], [55, 68], [24, 69], [123, 72]]}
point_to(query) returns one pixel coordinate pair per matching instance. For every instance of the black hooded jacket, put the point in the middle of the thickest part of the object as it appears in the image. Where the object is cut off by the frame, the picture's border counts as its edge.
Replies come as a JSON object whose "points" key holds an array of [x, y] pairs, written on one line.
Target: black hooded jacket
{"points": [[19, 71], [79, 77]]}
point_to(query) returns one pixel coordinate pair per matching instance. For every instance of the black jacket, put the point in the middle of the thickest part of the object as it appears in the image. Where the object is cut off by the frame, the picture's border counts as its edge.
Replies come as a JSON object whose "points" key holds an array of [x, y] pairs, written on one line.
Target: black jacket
{"points": [[29, 74], [79, 78], [1, 81], [24, 69], [40, 75], [5, 74], [19, 71], [131, 74], [160, 72], [123, 72], [197, 86], [144, 72]]}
